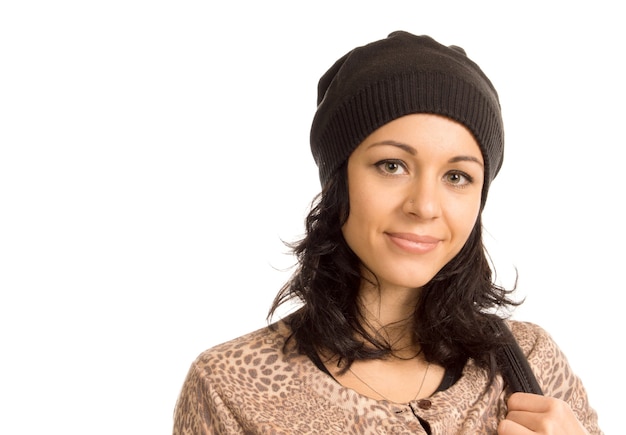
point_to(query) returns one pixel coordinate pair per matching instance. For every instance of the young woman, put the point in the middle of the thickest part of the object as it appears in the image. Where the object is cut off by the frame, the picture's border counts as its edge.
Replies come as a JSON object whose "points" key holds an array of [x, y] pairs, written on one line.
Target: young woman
{"points": [[395, 330]]}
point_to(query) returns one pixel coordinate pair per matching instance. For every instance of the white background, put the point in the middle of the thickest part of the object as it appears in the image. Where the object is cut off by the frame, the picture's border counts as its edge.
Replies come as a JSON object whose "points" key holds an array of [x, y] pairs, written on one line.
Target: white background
{"points": [[155, 153]]}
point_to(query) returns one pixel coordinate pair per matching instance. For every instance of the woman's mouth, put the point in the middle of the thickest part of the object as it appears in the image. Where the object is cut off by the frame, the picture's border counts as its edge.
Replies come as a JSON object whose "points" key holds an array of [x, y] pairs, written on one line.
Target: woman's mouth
{"points": [[413, 243]]}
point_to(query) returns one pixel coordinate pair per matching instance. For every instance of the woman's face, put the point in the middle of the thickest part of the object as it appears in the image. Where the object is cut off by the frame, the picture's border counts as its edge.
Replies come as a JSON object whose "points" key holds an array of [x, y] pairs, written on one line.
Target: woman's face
{"points": [[415, 188]]}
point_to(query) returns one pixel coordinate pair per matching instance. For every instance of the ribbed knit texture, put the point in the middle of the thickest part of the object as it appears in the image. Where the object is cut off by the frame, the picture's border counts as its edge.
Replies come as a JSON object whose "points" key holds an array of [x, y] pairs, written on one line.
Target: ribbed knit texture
{"points": [[403, 74]]}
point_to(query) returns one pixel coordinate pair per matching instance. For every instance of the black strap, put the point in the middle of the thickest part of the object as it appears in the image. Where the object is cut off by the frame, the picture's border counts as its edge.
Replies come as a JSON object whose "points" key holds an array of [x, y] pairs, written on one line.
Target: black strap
{"points": [[513, 363]]}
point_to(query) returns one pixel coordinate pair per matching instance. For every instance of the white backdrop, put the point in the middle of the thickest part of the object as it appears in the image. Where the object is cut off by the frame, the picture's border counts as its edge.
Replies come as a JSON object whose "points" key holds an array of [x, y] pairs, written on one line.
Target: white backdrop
{"points": [[154, 154]]}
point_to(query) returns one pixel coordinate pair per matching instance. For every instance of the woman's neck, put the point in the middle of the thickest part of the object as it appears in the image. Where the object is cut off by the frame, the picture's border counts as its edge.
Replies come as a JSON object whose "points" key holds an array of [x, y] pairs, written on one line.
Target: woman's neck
{"points": [[389, 313]]}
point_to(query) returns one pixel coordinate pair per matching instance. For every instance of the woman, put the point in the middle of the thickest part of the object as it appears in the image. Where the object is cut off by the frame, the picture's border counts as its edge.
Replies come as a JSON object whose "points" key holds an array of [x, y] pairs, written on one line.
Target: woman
{"points": [[394, 333]]}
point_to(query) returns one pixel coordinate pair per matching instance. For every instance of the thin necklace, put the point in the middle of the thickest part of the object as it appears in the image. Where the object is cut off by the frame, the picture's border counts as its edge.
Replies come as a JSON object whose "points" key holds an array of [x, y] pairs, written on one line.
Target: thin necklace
{"points": [[388, 400]]}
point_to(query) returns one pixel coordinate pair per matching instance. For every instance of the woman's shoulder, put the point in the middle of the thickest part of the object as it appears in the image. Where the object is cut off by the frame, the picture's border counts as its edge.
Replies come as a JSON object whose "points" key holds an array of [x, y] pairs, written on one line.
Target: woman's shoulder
{"points": [[529, 335], [538, 345], [262, 347]]}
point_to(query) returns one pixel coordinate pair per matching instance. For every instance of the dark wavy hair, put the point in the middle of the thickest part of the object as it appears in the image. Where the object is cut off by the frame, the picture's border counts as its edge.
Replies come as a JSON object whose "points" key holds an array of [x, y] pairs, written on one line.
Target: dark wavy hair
{"points": [[452, 317]]}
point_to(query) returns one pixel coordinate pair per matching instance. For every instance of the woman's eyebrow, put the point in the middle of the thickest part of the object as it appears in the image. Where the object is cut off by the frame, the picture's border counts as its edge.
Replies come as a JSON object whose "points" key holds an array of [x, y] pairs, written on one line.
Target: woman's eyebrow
{"points": [[411, 150], [408, 148], [465, 159]]}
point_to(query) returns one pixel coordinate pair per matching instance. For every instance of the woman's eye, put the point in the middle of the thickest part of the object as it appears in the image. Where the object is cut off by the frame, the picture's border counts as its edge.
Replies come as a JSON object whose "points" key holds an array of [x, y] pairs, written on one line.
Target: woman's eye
{"points": [[391, 167], [458, 178]]}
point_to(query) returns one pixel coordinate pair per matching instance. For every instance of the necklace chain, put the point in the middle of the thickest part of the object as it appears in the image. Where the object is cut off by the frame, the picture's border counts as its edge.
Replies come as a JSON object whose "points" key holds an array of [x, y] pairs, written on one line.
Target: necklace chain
{"points": [[372, 388]]}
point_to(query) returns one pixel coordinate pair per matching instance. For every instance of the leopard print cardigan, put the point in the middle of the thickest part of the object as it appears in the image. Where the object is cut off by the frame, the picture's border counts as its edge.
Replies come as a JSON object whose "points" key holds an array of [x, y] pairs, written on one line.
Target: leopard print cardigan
{"points": [[251, 386]]}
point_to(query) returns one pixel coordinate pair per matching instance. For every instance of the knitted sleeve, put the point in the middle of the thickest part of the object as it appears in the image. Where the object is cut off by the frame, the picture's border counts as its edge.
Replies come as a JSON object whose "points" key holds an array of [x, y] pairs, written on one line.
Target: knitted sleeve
{"points": [[199, 409], [554, 374]]}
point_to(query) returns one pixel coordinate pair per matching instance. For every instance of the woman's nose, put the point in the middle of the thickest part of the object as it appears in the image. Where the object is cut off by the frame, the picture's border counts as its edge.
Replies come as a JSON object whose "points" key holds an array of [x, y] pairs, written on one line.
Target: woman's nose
{"points": [[423, 199]]}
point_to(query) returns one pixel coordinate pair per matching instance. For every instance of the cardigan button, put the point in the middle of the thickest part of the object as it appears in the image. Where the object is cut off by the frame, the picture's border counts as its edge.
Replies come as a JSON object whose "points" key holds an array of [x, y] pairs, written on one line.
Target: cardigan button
{"points": [[424, 403]]}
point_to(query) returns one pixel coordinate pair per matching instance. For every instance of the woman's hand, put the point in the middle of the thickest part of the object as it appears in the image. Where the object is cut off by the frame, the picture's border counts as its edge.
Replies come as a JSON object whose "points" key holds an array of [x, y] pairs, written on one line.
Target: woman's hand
{"points": [[530, 413]]}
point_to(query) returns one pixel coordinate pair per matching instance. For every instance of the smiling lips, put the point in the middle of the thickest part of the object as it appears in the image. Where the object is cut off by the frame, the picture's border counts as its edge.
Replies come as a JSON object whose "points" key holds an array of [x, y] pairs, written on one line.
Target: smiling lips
{"points": [[413, 243]]}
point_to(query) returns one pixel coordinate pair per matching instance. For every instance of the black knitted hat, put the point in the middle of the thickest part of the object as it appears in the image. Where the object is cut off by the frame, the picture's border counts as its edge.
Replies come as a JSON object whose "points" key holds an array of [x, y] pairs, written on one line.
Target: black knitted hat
{"points": [[396, 76]]}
